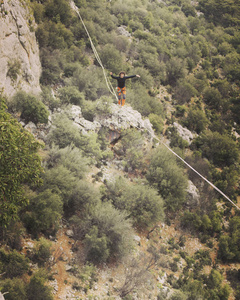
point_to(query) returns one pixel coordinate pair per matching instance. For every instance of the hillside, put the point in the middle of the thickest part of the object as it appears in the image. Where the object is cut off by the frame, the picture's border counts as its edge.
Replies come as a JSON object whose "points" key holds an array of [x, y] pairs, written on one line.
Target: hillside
{"points": [[93, 205]]}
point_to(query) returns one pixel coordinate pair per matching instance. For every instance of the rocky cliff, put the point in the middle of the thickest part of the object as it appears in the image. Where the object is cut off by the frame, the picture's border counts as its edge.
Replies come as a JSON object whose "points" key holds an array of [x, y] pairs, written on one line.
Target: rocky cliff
{"points": [[19, 52]]}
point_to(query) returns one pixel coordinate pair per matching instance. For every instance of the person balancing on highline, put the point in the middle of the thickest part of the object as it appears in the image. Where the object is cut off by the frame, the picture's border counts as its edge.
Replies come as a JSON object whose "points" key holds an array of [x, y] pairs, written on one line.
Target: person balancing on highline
{"points": [[121, 89]]}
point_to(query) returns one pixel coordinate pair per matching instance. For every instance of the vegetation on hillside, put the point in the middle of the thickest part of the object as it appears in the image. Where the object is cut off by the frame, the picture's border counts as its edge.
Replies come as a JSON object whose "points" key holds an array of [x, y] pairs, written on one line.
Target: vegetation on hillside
{"points": [[193, 50]]}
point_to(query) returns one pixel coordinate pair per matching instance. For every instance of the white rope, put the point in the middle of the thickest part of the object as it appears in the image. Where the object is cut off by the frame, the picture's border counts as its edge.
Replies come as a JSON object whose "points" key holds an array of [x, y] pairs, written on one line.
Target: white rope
{"points": [[108, 82], [112, 91]]}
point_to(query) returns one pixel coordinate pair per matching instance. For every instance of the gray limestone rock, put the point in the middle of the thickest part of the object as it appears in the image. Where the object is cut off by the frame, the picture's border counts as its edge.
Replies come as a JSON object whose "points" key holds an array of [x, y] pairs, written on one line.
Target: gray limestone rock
{"points": [[19, 52], [186, 134]]}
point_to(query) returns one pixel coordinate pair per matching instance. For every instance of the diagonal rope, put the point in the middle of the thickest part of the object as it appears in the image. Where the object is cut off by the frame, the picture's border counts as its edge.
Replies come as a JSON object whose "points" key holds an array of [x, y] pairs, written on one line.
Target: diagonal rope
{"points": [[108, 82], [187, 164], [112, 91]]}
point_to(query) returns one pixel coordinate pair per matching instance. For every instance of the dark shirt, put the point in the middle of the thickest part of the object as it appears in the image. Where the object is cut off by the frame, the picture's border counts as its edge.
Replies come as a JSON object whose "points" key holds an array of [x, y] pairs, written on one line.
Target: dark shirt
{"points": [[121, 81]]}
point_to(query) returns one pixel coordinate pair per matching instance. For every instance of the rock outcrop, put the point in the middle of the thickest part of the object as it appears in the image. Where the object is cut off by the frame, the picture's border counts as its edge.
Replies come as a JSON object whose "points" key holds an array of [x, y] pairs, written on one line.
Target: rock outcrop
{"points": [[19, 52], [184, 133]]}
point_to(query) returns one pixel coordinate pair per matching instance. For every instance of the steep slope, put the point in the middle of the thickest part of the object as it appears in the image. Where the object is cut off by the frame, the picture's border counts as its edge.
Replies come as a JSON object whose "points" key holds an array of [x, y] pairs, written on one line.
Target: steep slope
{"points": [[19, 52]]}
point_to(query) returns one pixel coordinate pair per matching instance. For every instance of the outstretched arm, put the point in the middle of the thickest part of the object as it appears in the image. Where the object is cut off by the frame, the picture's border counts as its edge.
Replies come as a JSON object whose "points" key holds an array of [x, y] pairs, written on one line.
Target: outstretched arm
{"points": [[114, 77], [131, 76]]}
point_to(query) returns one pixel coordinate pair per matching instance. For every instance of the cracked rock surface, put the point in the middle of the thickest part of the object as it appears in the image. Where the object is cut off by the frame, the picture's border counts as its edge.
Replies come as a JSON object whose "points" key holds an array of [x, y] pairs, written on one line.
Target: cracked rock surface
{"points": [[19, 52]]}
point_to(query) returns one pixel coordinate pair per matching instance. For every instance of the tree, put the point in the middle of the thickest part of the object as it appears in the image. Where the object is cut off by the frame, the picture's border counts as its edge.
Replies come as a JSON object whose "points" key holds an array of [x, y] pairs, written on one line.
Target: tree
{"points": [[42, 251], [196, 120], [37, 288], [106, 231], [20, 165], [164, 174], [70, 94], [13, 263], [220, 149], [138, 271], [142, 202], [30, 107], [43, 212], [14, 288]]}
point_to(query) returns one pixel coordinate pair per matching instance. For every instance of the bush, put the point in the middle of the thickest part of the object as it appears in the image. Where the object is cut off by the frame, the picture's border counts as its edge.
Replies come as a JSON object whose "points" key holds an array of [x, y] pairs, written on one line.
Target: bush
{"points": [[157, 123], [15, 289], [70, 95], [106, 231], [42, 251], [44, 212], [167, 177], [71, 158], [142, 202], [31, 108], [111, 58], [14, 264], [96, 247], [20, 165], [196, 120], [220, 149], [14, 68], [37, 288]]}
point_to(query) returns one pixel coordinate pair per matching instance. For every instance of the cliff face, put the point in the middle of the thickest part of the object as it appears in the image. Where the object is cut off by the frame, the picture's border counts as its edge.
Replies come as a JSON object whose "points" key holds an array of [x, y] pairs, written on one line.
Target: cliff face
{"points": [[19, 52]]}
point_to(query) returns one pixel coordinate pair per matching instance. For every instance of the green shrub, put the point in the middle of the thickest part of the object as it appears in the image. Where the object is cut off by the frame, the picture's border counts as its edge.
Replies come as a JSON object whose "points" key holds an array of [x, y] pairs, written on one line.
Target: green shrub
{"points": [[167, 177], [43, 212], [42, 251], [157, 123], [14, 264], [220, 149], [48, 99], [196, 120], [20, 164], [96, 247], [14, 68], [106, 231], [14, 288], [30, 107], [142, 202], [37, 288], [70, 94]]}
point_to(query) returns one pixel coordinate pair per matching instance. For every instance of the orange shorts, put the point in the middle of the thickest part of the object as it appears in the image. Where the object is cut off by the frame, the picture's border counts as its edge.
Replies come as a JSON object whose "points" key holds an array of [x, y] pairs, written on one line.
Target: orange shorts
{"points": [[121, 91]]}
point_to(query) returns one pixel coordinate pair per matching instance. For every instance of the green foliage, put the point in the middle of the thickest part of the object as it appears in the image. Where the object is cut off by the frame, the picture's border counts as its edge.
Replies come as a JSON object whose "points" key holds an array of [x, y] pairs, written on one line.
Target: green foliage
{"points": [[219, 149], [226, 13], [15, 173], [229, 249], [111, 58], [42, 251], [157, 123], [37, 288], [13, 263], [70, 94], [142, 202], [168, 178], [30, 107], [105, 227], [131, 147], [70, 157], [96, 247], [14, 288], [184, 91], [48, 99], [14, 68], [43, 212], [196, 120]]}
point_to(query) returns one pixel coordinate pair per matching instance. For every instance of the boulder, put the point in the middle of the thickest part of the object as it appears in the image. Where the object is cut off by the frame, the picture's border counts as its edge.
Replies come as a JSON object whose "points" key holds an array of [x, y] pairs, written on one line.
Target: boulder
{"points": [[69, 233], [31, 127], [193, 194], [125, 117], [74, 112], [184, 133], [121, 30]]}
